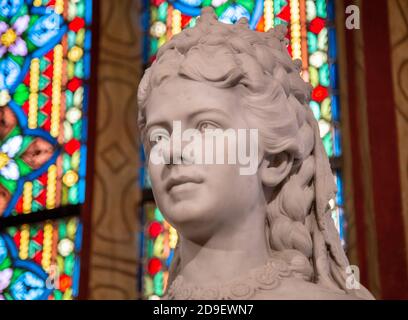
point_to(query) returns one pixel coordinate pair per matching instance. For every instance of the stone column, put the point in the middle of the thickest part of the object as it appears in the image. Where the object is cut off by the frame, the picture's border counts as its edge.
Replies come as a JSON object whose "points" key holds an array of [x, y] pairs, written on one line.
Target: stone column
{"points": [[113, 259]]}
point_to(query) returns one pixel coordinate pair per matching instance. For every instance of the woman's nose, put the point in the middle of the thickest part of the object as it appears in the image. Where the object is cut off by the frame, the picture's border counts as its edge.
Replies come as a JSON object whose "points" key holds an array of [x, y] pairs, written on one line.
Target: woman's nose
{"points": [[175, 154]]}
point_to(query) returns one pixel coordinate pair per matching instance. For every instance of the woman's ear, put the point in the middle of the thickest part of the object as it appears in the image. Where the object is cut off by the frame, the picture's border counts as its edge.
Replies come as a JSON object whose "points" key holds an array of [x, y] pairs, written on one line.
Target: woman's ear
{"points": [[275, 167]]}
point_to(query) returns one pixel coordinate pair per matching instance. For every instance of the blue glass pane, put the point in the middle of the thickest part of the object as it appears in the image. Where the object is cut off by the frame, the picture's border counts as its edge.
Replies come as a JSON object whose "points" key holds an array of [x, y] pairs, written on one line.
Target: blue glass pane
{"points": [[339, 182], [337, 143], [332, 44], [335, 108], [330, 10], [333, 76]]}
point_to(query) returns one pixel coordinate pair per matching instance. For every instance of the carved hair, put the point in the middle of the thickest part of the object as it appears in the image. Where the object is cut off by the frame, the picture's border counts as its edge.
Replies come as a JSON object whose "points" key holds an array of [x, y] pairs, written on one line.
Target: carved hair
{"points": [[299, 227]]}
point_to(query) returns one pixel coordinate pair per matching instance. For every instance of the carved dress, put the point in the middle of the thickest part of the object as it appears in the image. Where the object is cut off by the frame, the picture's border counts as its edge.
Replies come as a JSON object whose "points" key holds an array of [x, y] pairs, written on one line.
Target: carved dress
{"points": [[273, 280]]}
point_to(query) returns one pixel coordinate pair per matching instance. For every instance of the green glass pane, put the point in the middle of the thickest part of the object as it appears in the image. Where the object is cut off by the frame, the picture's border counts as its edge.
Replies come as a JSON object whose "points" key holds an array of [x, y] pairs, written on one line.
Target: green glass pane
{"points": [[33, 248], [43, 82], [17, 59], [66, 162], [64, 194], [324, 75], [149, 248], [71, 39], [26, 142], [77, 129], [15, 132], [57, 295], [220, 9], [80, 9], [326, 110], [321, 10], [6, 263], [70, 69], [162, 40], [60, 263], [71, 228], [12, 231], [148, 286], [313, 76], [322, 40], [328, 144], [7, 296], [41, 117], [315, 108], [162, 12], [21, 94], [150, 214], [42, 100], [10, 185], [311, 42], [75, 159], [158, 215], [73, 194], [158, 283], [33, 230], [62, 231], [69, 98], [37, 188], [44, 63], [192, 22], [17, 273], [247, 4], [80, 37], [33, 20], [278, 5], [153, 13], [67, 294], [153, 46], [69, 264], [36, 206], [79, 69], [23, 167], [30, 46]]}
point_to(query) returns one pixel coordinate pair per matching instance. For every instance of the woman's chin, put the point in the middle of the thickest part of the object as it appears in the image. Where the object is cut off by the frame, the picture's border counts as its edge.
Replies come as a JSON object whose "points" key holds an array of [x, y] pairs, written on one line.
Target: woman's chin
{"points": [[188, 215]]}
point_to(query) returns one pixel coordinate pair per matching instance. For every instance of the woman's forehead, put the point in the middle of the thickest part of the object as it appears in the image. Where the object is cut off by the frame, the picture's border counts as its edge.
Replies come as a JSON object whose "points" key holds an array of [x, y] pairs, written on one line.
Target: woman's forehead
{"points": [[181, 97]]}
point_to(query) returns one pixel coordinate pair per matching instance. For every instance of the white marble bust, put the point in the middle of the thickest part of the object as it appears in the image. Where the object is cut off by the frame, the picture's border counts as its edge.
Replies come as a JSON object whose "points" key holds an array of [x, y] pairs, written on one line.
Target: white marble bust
{"points": [[267, 235]]}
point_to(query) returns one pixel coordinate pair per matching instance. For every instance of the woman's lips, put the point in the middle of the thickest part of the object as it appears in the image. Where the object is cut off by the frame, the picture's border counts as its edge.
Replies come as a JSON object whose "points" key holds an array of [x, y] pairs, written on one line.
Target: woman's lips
{"points": [[182, 182]]}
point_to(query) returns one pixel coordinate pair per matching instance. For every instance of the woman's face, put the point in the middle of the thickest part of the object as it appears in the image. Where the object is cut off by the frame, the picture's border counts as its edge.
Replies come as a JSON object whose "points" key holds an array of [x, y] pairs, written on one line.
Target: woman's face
{"points": [[197, 198]]}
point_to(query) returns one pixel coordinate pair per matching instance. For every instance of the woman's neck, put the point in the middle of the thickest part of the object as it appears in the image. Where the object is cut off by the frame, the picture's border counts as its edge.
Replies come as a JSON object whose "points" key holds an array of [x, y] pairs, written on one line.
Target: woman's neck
{"points": [[231, 252]]}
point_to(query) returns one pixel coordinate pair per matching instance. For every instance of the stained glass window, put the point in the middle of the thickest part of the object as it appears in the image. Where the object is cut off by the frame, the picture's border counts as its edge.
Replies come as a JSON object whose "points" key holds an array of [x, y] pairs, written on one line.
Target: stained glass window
{"points": [[44, 82], [40, 261], [312, 38], [161, 239]]}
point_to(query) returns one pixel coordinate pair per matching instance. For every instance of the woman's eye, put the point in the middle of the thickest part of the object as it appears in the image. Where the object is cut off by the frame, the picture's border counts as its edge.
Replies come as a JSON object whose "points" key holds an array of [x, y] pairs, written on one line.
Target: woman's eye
{"points": [[159, 136], [206, 125]]}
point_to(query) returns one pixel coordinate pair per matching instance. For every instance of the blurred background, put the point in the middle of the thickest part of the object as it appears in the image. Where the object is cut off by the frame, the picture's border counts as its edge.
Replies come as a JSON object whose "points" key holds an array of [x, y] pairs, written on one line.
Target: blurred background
{"points": [[77, 215]]}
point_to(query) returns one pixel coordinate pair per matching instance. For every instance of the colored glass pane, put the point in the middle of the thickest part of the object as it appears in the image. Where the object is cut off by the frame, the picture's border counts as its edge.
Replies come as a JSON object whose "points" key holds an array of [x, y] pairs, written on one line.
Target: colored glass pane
{"points": [[44, 73], [40, 261], [160, 241]]}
